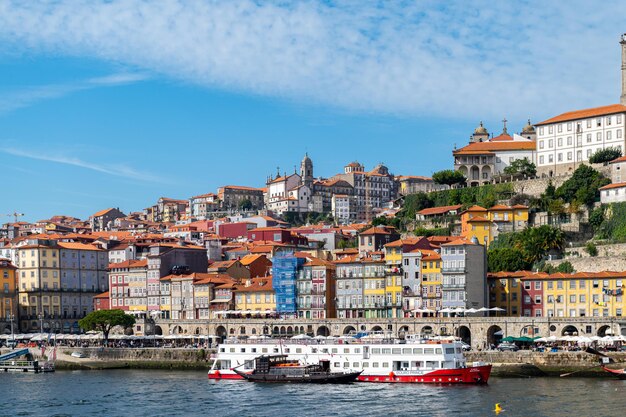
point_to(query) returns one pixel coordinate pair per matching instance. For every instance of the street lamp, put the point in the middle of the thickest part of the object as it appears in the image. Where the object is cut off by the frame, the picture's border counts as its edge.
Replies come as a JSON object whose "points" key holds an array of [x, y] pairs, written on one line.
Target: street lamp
{"points": [[40, 316], [11, 318]]}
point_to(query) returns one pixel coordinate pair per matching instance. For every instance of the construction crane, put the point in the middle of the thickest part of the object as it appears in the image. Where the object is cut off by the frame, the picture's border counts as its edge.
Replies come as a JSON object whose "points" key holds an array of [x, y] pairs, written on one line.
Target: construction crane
{"points": [[15, 216]]}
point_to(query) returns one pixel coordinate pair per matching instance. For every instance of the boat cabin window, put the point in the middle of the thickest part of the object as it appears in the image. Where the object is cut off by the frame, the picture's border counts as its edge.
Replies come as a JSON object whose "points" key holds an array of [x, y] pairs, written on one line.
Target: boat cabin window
{"points": [[232, 350], [396, 351], [314, 350], [264, 350], [222, 350], [248, 365], [298, 350], [357, 350], [275, 350], [325, 350], [243, 350], [385, 365], [386, 351], [375, 351], [336, 364], [418, 351], [432, 364], [449, 351], [355, 364], [346, 350], [335, 350], [375, 365], [366, 364], [400, 366], [406, 351], [223, 364], [346, 364], [429, 351], [253, 350], [418, 364], [286, 350], [438, 351]]}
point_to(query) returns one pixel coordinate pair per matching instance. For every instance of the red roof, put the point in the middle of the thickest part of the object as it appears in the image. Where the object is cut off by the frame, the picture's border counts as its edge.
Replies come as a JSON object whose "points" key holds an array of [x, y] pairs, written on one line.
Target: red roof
{"points": [[617, 160], [439, 210], [615, 185], [131, 263], [500, 145], [585, 113]]}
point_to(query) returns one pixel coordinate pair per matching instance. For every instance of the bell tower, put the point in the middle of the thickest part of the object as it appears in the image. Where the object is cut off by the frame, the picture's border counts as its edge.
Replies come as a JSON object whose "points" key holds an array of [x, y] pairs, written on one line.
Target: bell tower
{"points": [[622, 42], [306, 171]]}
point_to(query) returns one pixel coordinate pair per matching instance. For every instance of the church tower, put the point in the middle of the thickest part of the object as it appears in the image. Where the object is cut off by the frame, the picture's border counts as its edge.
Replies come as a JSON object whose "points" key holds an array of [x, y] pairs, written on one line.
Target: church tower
{"points": [[306, 171], [480, 134]]}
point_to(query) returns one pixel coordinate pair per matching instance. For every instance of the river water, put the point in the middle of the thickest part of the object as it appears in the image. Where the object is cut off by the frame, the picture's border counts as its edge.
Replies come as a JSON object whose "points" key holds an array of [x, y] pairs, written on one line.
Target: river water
{"points": [[189, 393]]}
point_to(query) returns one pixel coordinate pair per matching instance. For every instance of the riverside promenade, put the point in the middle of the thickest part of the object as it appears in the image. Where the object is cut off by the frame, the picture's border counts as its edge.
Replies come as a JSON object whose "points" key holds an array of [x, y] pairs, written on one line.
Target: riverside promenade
{"points": [[479, 332]]}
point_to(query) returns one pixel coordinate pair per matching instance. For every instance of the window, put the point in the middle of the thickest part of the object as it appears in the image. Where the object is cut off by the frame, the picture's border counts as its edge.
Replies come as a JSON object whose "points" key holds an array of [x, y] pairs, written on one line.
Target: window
{"points": [[608, 135], [572, 298], [588, 137], [588, 153], [540, 144], [572, 285], [589, 123], [569, 156], [550, 129], [537, 285], [541, 130], [608, 120], [559, 142], [598, 122], [550, 143], [560, 128], [569, 127], [579, 155], [541, 159], [618, 134], [560, 157], [569, 141], [599, 137]]}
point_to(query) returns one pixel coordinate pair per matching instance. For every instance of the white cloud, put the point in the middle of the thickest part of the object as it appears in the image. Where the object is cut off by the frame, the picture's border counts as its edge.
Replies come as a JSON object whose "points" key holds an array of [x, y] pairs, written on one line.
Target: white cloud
{"points": [[14, 100], [115, 170], [450, 59]]}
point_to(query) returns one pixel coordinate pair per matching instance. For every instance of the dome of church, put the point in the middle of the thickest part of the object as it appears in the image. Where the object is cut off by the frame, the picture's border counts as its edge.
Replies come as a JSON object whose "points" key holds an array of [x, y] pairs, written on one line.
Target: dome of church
{"points": [[528, 128], [480, 130], [306, 159]]}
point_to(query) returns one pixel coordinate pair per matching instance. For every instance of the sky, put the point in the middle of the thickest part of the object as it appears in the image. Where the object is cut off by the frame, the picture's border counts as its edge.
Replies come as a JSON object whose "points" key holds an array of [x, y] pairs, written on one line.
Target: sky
{"points": [[117, 103]]}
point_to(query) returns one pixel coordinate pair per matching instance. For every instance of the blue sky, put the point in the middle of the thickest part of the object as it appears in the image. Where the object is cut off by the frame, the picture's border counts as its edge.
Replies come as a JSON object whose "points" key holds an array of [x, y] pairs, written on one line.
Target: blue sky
{"points": [[118, 103]]}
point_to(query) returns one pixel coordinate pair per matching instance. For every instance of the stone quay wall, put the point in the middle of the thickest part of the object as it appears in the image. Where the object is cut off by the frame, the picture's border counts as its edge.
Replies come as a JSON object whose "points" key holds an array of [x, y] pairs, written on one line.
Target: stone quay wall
{"points": [[479, 332]]}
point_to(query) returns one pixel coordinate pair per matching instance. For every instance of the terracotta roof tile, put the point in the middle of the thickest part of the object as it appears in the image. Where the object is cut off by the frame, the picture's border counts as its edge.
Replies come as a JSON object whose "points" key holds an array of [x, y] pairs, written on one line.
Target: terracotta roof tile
{"points": [[615, 185], [585, 113]]}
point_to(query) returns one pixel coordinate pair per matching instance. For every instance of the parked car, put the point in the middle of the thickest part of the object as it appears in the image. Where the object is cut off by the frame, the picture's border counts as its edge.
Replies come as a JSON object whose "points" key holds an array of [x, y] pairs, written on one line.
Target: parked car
{"points": [[508, 346], [79, 355], [466, 347]]}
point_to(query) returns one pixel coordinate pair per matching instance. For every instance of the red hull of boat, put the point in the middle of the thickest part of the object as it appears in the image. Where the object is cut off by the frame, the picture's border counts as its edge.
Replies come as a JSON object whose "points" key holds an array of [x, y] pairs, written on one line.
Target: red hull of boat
{"points": [[620, 373], [470, 375]]}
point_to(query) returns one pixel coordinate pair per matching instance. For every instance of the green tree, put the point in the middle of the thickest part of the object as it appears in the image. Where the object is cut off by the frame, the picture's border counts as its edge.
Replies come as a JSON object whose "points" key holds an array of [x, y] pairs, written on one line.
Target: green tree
{"points": [[582, 186], [448, 177], [506, 259], [565, 267], [605, 155], [245, 204], [591, 249], [596, 217], [521, 167], [105, 320]]}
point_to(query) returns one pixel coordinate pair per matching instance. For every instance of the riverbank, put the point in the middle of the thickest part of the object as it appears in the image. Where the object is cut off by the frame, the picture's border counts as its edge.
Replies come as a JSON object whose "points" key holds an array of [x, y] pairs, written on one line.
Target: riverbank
{"points": [[505, 364], [525, 363]]}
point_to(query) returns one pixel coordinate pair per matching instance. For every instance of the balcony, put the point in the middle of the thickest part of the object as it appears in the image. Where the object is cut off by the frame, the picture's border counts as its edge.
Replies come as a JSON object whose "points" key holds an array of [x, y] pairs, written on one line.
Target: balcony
{"points": [[457, 269]]}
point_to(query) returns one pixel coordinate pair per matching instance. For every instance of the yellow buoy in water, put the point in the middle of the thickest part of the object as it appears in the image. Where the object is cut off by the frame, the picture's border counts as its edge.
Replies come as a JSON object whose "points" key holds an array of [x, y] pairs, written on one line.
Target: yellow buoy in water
{"points": [[498, 408]]}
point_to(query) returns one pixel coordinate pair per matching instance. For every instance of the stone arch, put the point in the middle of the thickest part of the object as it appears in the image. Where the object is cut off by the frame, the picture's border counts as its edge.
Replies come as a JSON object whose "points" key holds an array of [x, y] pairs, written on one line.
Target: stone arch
{"points": [[494, 335], [403, 330], [129, 331], [221, 331], [349, 329], [177, 330], [474, 173], [529, 330], [197, 331], [276, 330], [283, 330], [602, 331], [302, 329], [443, 331], [465, 334], [569, 330], [231, 330], [266, 330], [322, 331], [426, 330], [377, 329], [158, 330], [463, 170], [253, 331], [289, 330], [242, 330]]}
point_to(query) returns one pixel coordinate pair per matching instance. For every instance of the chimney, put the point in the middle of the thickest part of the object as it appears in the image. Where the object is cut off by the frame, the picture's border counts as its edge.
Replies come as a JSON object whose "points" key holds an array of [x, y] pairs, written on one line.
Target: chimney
{"points": [[622, 42]]}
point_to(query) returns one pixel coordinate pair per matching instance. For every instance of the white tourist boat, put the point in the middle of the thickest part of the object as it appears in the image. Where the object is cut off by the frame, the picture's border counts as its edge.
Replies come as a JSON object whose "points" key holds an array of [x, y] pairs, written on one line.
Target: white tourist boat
{"points": [[379, 357]]}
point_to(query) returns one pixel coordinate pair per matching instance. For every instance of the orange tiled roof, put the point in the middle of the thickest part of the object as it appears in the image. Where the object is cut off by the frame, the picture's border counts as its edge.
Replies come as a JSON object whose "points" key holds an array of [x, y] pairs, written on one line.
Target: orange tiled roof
{"points": [[102, 212], [615, 185], [104, 295], [241, 187], [478, 219], [585, 113], [617, 160], [490, 146], [476, 208], [131, 263], [79, 246], [460, 241], [405, 241], [439, 210], [375, 231]]}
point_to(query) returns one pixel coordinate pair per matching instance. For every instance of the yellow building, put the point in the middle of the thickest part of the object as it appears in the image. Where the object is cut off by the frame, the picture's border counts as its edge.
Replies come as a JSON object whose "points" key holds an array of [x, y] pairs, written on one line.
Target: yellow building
{"points": [[8, 294], [431, 280], [374, 287], [485, 224], [39, 282], [400, 273], [505, 291], [256, 295], [584, 294]]}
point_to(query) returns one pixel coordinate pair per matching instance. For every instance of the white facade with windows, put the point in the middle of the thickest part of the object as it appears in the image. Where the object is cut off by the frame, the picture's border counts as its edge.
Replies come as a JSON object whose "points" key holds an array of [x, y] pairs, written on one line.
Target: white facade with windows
{"points": [[567, 140]]}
